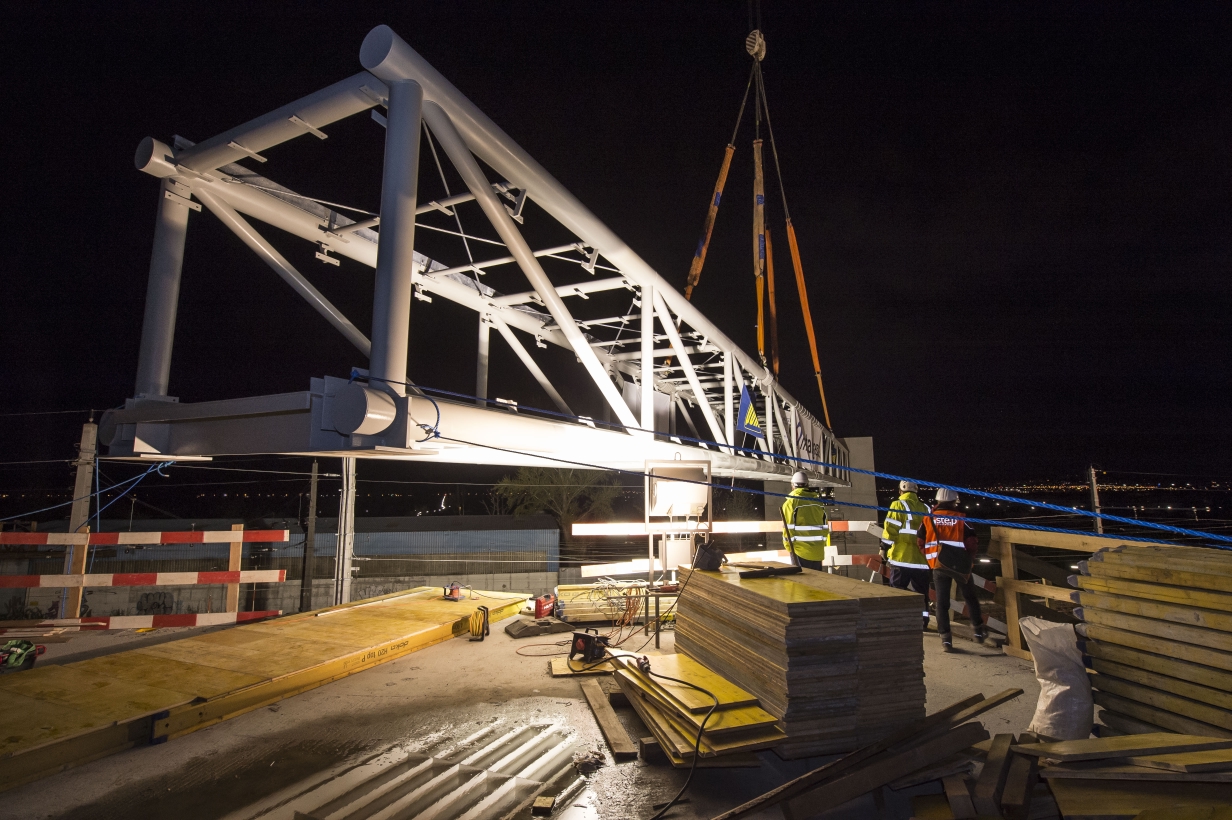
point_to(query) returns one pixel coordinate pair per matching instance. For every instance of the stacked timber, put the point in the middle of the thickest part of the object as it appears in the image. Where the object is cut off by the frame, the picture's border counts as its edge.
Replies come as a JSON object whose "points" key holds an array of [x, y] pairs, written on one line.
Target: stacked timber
{"points": [[839, 662], [730, 723], [1157, 635], [605, 602]]}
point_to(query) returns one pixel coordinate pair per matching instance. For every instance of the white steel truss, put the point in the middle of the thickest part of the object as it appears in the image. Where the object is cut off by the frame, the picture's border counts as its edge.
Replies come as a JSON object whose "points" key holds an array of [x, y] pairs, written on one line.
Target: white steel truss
{"points": [[686, 361]]}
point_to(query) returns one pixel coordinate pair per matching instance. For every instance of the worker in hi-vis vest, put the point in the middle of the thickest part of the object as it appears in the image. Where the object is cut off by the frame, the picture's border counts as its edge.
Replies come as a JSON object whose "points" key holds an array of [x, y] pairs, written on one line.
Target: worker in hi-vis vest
{"points": [[950, 545], [899, 549], [806, 530]]}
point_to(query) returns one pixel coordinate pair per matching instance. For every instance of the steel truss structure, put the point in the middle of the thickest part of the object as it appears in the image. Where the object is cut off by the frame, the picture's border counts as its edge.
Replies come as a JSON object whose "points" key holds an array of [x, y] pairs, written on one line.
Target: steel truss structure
{"points": [[658, 361]]}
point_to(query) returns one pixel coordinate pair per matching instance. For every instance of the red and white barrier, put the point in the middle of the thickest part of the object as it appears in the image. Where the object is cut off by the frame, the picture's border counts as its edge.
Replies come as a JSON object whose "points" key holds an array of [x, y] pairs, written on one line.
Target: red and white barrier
{"points": [[144, 579], [111, 539], [148, 621]]}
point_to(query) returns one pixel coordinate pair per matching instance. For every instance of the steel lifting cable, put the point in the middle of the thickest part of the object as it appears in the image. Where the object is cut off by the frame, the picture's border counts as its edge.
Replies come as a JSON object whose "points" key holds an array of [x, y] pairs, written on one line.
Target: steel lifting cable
{"points": [[795, 254]]}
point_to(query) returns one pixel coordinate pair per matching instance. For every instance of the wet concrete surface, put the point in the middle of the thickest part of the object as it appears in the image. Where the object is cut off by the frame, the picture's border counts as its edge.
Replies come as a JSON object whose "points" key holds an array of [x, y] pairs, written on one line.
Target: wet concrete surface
{"points": [[451, 690]]}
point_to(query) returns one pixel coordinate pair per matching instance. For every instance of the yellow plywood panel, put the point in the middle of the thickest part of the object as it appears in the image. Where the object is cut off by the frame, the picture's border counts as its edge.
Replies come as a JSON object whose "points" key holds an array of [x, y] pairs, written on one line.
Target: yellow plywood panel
{"points": [[1211, 760], [1187, 615], [192, 679], [29, 722], [1126, 799], [1186, 596], [727, 721], [782, 590], [108, 699], [1195, 635], [685, 668]]}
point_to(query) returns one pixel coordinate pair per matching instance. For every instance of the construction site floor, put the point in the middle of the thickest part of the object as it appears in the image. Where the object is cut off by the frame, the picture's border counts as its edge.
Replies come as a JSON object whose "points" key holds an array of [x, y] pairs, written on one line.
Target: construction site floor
{"points": [[443, 692]]}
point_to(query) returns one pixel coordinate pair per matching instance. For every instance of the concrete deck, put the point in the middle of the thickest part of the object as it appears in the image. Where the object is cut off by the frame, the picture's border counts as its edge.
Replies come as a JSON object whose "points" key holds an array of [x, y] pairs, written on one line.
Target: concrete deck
{"points": [[444, 692]]}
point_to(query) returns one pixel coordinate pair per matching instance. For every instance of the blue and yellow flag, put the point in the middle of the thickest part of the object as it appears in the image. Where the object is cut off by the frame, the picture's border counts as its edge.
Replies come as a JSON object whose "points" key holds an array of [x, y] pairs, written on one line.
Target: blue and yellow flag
{"points": [[747, 420]]}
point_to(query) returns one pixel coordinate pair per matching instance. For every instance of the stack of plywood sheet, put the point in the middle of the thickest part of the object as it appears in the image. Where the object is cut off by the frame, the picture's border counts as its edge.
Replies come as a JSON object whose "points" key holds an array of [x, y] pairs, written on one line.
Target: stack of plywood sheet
{"points": [[675, 712], [606, 602], [1157, 633], [839, 662]]}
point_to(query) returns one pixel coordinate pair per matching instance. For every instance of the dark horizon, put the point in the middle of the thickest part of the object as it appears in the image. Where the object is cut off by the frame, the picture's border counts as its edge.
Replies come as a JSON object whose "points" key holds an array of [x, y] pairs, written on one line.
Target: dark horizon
{"points": [[1013, 218]]}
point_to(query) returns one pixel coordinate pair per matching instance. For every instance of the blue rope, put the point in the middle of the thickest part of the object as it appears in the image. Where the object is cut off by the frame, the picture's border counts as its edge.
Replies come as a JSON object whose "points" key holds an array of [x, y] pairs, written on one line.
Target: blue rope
{"points": [[134, 480], [1136, 522]]}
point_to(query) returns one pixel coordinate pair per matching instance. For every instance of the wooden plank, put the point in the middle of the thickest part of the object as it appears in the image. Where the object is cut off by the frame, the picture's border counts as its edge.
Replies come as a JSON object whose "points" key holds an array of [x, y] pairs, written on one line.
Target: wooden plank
{"points": [[1074, 542], [1203, 694], [1159, 646], [1015, 644], [1019, 787], [1117, 770], [1210, 760], [1196, 635], [1042, 569], [1182, 575], [1167, 720], [1163, 700], [728, 721], [1186, 596], [1161, 664], [1103, 748], [1125, 725], [1125, 800], [1175, 613], [1037, 589], [234, 554], [987, 792], [618, 740], [956, 794], [939, 721], [875, 774]]}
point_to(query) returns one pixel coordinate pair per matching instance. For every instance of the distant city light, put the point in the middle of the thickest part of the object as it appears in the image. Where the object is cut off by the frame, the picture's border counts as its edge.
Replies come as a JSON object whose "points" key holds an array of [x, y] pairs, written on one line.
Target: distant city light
{"points": [[985, 560]]}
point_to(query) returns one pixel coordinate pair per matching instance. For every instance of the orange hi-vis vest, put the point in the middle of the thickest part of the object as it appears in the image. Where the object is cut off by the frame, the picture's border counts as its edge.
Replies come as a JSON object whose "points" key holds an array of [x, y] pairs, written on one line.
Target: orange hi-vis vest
{"points": [[943, 527]]}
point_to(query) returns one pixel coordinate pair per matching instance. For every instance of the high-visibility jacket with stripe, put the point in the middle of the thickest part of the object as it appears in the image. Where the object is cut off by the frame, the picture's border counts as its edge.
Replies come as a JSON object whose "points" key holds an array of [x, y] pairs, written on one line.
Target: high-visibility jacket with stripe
{"points": [[902, 524], [804, 518], [949, 527]]}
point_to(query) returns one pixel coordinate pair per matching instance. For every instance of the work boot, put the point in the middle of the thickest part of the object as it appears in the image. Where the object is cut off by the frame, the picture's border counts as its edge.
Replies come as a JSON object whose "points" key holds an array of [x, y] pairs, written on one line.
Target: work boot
{"points": [[981, 634], [947, 642], [926, 622]]}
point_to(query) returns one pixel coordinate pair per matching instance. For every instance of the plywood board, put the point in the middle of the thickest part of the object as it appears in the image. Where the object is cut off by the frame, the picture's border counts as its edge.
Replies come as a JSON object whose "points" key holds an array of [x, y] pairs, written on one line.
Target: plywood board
{"points": [[1103, 748], [618, 740], [1159, 717], [1175, 613], [1126, 799], [1159, 646], [1199, 636], [1186, 596], [682, 667], [1211, 760], [1163, 700], [1165, 665], [562, 668]]}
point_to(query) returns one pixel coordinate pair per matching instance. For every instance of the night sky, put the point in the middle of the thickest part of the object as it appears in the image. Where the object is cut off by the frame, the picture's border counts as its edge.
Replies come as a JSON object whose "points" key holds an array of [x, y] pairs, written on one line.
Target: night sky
{"points": [[1014, 217]]}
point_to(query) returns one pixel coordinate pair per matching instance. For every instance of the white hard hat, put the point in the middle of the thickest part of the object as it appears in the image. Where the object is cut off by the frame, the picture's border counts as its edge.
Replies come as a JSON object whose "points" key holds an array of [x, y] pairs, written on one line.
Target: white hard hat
{"points": [[944, 495], [908, 487], [799, 479]]}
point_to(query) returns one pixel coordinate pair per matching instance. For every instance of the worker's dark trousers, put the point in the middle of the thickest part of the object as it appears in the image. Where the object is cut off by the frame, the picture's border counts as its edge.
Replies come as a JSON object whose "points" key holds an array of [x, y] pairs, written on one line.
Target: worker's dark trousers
{"points": [[941, 582], [916, 578], [807, 564]]}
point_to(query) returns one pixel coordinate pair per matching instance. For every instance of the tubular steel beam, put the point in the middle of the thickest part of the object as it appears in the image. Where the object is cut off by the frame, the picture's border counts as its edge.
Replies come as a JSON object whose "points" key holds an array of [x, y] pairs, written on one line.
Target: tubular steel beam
{"points": [[257, 243], [162, 295], [441, 126], [395, 258]]}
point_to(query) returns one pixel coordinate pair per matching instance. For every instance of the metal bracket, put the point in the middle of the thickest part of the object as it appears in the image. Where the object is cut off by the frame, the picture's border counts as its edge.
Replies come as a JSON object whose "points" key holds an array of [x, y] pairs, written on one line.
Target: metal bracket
{"points": [[516, 210], [589, 267], [243, 150], [316, 132], [323, 254], [539, 342], [421, 294], [179, 200], [380, 119], [373, 95]]}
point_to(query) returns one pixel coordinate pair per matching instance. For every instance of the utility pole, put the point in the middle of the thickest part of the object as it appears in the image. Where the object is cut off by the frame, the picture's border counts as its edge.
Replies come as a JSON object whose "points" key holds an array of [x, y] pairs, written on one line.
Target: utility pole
{"points": [[1099, 522], [310, 543], [75, 555], [345, 548]]}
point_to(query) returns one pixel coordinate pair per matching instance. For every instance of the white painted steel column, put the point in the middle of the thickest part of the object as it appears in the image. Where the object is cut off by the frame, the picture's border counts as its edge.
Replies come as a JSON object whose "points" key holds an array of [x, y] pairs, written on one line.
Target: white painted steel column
{"points": [[648, 391], [665, 318], [162, 295], [481, 361], [729, 412], [472, 175], [395, 260], [532, 366], [258, 244], [344, 550]]}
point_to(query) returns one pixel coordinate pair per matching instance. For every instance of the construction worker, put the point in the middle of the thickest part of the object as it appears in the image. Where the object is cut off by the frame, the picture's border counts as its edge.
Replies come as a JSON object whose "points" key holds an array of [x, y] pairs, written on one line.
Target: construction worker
{"points": [[806, 530], [949, 546], [899, 544]]}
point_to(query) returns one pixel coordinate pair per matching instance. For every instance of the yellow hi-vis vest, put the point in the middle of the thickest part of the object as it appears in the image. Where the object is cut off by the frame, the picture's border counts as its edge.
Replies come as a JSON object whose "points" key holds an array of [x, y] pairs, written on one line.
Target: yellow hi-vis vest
{"points": [[902, 524], [804, 517]]}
